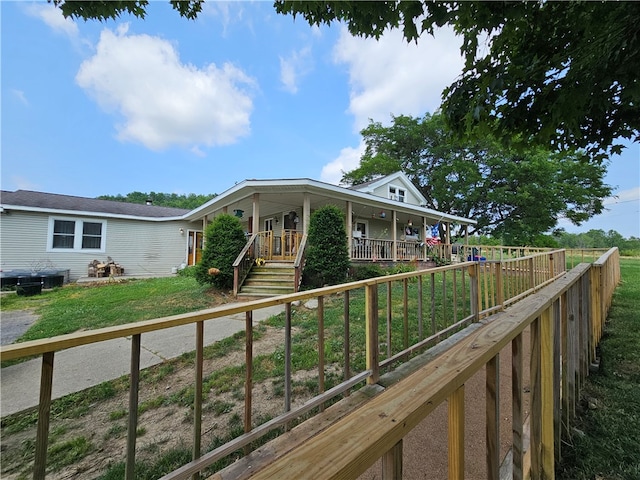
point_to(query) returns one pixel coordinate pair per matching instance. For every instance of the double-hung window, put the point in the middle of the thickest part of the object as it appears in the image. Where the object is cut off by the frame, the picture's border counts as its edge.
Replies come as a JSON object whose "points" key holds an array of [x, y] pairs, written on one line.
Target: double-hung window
{"points": [[396, 193], [76, 234]]}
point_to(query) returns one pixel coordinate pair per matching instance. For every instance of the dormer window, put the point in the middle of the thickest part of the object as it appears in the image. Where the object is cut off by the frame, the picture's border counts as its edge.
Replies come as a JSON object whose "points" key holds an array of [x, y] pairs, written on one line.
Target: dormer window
{"points": [[396, 193]]}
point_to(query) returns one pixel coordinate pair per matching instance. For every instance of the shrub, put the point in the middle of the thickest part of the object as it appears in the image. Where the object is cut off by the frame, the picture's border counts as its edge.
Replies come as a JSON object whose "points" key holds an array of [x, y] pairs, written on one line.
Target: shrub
{"points": [[224, 240], [327, 253], [362, 272]]}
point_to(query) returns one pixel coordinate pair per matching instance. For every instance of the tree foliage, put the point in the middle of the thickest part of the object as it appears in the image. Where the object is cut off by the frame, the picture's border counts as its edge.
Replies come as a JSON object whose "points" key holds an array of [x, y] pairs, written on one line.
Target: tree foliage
{"points": [[514, 194], [327, 257], [599, 239], [563, 74], [224, 240], [188, 202], [112, 9]]}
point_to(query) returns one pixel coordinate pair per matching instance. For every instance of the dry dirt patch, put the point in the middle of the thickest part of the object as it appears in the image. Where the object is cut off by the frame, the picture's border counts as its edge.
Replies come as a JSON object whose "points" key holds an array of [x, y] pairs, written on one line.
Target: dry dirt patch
{"points": [[161, 428]]}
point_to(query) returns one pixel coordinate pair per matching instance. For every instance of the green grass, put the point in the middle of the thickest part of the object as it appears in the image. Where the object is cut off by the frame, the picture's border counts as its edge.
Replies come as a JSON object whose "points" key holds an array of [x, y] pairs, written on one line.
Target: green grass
{"points": [[88, 307], [606, 443]]}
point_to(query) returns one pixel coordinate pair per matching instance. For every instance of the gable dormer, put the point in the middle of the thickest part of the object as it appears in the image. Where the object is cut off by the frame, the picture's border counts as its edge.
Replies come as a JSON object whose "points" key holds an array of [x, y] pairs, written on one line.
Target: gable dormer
{"points": [[396, 187]]}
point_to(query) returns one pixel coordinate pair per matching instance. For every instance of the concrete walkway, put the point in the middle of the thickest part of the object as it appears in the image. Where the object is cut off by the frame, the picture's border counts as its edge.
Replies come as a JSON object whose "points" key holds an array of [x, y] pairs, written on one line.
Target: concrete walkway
{"points": [[78, 368]]}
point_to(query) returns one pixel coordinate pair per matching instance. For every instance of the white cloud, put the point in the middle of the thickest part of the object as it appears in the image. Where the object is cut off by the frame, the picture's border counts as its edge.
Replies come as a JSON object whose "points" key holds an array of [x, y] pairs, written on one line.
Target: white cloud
{"points": [[19, 94], [292, 68], [163, 101], [348, 159], [391, 76], [23, 183], [53, 17], [629, 195]]}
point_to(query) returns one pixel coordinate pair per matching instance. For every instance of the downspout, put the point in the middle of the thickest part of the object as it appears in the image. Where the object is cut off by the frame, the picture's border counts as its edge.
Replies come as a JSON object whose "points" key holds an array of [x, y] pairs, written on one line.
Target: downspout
{"points": [[394, 236]]}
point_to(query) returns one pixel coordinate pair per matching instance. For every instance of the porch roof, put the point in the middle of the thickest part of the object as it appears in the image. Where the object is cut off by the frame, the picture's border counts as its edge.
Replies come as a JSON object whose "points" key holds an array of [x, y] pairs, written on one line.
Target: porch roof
{"points": [[279, 195]]}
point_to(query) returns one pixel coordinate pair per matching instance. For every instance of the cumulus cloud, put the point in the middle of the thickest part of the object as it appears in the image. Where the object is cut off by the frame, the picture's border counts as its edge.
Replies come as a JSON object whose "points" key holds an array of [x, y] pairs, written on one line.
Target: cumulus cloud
{"points": [[294, 67], [348, 159], [163, 101], [391, 76]]}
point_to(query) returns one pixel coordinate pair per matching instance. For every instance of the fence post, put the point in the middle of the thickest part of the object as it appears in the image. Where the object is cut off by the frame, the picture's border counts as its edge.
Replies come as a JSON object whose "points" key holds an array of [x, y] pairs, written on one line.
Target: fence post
{"points": [[456, 434], [474, 291], [492, 431], [248, 382], [197, 399], [44, 416], [392, 463], [499, 285], [132, 431], [371, 305]]}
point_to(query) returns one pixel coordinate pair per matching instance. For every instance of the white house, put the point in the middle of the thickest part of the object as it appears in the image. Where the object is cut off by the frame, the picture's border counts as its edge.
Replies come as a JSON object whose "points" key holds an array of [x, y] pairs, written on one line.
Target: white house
{"points": [[386, 220]]}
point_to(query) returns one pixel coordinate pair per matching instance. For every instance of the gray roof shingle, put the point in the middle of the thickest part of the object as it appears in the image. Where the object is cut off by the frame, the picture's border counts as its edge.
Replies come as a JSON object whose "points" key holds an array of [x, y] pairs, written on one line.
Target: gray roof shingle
{"points": [[27, 198]]}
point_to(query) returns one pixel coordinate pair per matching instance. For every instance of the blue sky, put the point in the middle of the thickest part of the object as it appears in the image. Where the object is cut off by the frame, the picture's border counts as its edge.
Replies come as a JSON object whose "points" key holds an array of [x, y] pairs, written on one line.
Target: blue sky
{"points": [[171, 105]]}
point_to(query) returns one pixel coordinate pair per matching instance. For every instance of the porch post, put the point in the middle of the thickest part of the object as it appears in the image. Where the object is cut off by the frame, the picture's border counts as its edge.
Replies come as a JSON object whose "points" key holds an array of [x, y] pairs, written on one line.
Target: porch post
{"points": [[350, 228], [306, 213], [256, 213], [394, 234], [423, 253]]}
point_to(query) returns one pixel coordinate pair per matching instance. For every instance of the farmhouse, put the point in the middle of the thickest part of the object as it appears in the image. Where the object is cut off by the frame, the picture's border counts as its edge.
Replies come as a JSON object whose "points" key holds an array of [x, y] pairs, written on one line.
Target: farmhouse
{"points": [[386, 220]]}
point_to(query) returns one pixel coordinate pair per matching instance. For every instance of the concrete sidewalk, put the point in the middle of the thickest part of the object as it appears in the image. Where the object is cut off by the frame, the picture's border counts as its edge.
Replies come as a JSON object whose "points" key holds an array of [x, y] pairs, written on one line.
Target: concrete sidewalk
{"points": [[78, 368]]}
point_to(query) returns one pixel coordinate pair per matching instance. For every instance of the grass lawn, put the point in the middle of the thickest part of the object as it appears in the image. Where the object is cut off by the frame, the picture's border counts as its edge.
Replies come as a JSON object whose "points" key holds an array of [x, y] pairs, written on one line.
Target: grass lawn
{"points": [[606, 439], [91, 306]]}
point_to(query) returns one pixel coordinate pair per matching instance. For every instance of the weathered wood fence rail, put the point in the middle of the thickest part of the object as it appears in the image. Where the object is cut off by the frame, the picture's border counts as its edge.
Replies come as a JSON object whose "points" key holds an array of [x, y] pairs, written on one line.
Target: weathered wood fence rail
{"points": [[419, 310]]}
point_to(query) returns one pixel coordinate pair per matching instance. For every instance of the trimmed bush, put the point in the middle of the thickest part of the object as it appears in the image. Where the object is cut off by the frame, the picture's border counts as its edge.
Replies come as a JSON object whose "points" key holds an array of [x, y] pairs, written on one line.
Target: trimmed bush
{"points": [[224, 240], [327, 253], [362, 272]]}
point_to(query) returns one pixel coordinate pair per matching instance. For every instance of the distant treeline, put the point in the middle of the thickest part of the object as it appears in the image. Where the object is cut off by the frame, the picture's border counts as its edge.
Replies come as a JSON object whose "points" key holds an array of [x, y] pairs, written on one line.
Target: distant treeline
{"points": [[591, 239], [188, 202]]}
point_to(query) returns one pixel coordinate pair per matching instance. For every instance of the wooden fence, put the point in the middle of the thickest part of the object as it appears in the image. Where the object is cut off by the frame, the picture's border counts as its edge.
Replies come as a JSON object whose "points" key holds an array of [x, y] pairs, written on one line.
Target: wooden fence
{"points": [[418, 310]]}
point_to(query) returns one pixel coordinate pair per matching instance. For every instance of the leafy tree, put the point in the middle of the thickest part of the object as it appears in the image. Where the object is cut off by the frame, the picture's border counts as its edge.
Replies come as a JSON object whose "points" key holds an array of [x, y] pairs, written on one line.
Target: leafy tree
{"points": [[327, 253], [563, 74], [188, 202], [224, 240], [112, 9], [514, 194]]}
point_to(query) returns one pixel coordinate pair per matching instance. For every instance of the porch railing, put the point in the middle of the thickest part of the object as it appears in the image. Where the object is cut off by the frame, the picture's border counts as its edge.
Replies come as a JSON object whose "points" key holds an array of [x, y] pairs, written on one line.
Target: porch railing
{"points": [[243, 263], [284, 246], [420, 309]]}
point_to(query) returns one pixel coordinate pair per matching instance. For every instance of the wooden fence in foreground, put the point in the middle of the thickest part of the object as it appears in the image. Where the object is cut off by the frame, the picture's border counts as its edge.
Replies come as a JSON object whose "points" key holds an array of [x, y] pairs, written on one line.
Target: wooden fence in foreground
{"points": [[401, 316]]}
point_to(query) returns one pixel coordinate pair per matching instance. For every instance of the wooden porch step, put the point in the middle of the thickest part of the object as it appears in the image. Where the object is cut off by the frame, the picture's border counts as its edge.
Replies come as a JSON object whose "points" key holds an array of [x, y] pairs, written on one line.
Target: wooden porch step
{"points": [[271, 279]]}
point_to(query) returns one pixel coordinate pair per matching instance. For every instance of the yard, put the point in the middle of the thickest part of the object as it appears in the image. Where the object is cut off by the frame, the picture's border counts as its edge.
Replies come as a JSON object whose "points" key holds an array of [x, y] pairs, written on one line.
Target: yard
{"points": [[89, 428]]}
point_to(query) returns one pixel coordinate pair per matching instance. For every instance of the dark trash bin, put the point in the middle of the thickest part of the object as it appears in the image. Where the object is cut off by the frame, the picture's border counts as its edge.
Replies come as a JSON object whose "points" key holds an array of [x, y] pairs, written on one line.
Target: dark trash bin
{"points": [[27, 289]]}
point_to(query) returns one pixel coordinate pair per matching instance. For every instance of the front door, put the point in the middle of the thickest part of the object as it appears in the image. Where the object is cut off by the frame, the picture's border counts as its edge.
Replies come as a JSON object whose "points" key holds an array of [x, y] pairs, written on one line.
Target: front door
{"points": [[195, 247]]}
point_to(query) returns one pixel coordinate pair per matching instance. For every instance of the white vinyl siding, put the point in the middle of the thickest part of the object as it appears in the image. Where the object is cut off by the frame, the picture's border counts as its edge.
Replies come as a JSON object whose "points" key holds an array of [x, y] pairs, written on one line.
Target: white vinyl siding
{"points": [[143, 248]]}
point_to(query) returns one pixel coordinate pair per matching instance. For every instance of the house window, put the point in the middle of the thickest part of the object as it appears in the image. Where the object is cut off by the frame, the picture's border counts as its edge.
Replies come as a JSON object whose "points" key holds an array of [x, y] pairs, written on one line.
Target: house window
{"points": [[63, 233], [396, 193], [76, 234], [360, 230], [91, 235]]}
